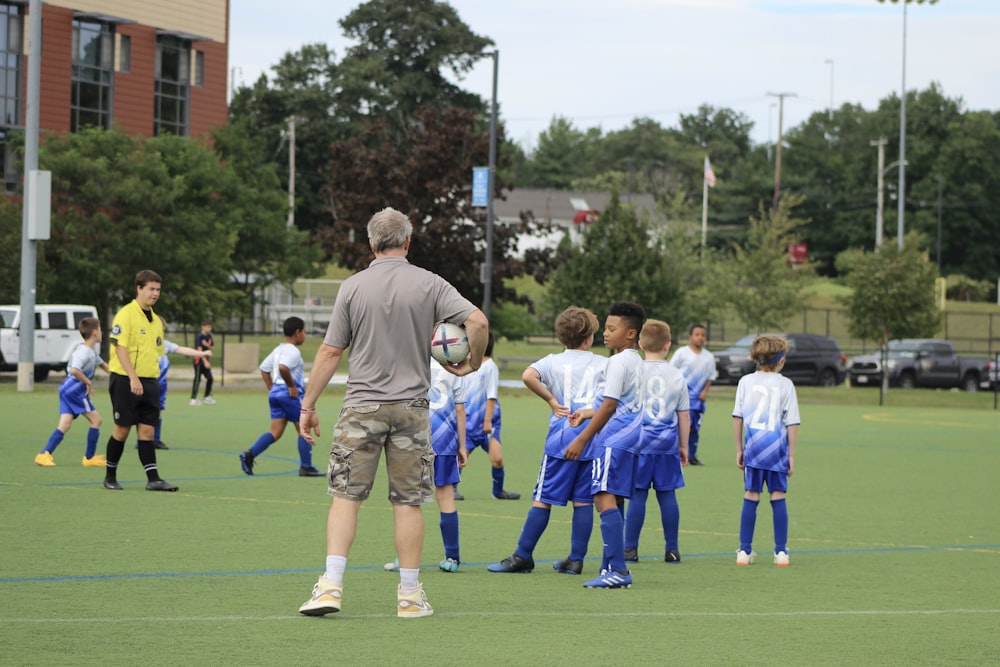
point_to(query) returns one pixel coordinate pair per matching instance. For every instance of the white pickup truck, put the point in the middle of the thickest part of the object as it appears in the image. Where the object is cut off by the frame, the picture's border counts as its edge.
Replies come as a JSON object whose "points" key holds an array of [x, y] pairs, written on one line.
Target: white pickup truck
{"points": [[56, 335]]}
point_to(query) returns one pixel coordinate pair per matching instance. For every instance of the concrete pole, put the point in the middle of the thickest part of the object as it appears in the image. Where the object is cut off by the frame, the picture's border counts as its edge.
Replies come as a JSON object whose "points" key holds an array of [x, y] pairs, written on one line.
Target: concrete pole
{"points": [[488, 266], [879, 220], [777, 152], [901, 193]]}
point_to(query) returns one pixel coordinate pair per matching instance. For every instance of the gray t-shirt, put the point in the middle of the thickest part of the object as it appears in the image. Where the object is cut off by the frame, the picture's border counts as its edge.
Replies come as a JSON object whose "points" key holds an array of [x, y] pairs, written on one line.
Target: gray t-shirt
{"points": [[386, 315]]}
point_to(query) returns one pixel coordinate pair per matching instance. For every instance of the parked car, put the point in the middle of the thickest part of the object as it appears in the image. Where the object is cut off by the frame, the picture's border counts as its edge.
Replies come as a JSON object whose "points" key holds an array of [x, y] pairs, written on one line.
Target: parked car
{"points": [[922, 362], [811, 359], [56, 335]]}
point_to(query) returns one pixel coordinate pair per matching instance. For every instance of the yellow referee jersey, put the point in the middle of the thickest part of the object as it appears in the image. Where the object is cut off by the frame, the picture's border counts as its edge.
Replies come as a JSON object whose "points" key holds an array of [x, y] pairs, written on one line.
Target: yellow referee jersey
{"points": [[143, 340]]}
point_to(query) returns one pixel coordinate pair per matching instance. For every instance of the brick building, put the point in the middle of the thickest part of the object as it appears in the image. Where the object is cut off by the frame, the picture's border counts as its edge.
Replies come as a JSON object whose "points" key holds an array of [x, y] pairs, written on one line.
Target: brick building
{"points": [[142, 66]]}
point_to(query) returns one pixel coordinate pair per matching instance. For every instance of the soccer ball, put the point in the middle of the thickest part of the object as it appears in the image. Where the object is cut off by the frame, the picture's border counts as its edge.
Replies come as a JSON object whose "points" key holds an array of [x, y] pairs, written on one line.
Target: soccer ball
{"points": [[449, 344]]}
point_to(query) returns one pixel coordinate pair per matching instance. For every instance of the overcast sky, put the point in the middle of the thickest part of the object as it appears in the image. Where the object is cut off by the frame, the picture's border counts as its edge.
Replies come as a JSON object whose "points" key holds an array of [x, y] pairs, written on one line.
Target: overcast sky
{"points": [[602, 63]]}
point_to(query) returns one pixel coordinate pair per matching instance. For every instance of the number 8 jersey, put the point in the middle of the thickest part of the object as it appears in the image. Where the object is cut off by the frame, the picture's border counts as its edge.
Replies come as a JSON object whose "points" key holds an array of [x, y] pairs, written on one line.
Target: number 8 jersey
{"points": [[767, 404]]}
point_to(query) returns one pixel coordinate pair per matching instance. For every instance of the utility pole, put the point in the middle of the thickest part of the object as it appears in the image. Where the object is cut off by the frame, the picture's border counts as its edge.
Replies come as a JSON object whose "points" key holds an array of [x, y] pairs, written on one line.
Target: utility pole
{"points": [[777, 153], [940, 205], [291, 171], [882, 141], [829, 61], [488, 265]]}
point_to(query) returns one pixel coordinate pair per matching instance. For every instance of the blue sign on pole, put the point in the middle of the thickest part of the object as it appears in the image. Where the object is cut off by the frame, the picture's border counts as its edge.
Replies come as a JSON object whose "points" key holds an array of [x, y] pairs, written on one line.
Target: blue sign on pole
{"points": [[480, 186]]}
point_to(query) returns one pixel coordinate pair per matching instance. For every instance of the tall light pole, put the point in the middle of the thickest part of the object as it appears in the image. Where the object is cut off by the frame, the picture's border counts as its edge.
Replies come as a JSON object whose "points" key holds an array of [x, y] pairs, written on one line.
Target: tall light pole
{"points": [[881, 142], [902, 131], [488, 265], [829, 61], [777, 149]]}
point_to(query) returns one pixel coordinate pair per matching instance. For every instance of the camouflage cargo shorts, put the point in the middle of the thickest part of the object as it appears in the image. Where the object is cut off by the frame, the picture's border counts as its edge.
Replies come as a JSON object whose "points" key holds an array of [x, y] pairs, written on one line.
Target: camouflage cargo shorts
{"points": [[402, 430]]}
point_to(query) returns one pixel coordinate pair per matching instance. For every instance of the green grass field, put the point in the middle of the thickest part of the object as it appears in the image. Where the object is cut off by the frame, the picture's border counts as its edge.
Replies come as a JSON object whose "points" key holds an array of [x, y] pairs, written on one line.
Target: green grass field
{"points": [[894, 539]]}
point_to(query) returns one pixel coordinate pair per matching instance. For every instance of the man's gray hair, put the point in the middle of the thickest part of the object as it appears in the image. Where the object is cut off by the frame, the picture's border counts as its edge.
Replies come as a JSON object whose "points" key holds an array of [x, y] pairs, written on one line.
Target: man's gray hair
{"points": [[388, 229]]}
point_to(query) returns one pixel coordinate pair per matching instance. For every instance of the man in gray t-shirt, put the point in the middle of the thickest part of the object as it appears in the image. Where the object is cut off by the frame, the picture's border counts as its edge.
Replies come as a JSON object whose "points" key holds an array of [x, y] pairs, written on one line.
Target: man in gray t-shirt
{"points": [[386, 315]]}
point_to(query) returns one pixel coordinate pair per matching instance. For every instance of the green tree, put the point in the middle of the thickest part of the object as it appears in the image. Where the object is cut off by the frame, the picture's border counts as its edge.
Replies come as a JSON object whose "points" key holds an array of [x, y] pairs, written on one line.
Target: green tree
{"points": [[10, 254], [621, 259], [760, 284]]}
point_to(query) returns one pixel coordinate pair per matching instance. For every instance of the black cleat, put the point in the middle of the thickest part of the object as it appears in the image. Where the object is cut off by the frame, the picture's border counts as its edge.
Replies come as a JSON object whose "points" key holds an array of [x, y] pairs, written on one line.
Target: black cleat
{"points": [[631, 555], [513, 563], [695, 462], [458, 496], [112, 484], [567, 566], [160, 485], [507, 495], [160, 445], [310, 471], [246, 462], [672, 556]]}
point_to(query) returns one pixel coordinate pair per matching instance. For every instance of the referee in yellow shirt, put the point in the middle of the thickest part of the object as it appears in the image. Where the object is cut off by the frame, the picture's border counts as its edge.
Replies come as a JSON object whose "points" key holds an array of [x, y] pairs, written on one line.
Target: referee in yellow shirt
{"points": [[137, 344]]}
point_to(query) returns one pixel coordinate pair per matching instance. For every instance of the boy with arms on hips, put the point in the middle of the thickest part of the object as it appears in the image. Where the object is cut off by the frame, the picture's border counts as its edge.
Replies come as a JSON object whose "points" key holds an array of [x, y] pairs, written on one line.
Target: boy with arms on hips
{"points": [[567, 381], [766, 405], [616, 428], [482, 409], [203, 341], [283, 371], [75, 396], [665, 429], [698, 366]]}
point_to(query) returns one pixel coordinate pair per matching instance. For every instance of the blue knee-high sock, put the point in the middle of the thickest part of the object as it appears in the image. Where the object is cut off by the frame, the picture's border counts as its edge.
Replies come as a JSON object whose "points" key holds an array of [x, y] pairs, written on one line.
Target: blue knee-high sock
{"points": [[263, 442], [612, 530], [780, 512], [534, 526], [305, 453], [693, 444], [748, 519], [449, 534], [583, 526], [497, 480], [670, 517], [92, 435], [54, 440], [158, 430], [635, 517]]}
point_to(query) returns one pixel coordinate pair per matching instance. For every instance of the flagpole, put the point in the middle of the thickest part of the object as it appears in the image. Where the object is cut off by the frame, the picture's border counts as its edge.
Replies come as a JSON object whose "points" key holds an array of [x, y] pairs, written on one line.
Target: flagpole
{"points": [[704, 215]]}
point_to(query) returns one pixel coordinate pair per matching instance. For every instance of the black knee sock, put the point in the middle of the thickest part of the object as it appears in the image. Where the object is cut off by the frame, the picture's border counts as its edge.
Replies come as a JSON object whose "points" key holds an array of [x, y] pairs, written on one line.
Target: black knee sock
{"points": [[147, 455], [114, 455]]}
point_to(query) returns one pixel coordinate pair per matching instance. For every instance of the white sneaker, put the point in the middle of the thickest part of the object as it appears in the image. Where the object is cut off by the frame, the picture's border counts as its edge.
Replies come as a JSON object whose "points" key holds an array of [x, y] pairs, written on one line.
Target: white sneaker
{"points": [[412, 603], [209, 400], [391, 567], [744, 558], [194, 401], [781, 559], [325, 599]]}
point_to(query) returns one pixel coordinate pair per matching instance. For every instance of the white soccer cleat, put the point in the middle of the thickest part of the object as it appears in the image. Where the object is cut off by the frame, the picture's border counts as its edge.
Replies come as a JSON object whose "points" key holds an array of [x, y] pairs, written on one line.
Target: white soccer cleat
{"points": [[391, 567], [781, 559], [744, 558]]}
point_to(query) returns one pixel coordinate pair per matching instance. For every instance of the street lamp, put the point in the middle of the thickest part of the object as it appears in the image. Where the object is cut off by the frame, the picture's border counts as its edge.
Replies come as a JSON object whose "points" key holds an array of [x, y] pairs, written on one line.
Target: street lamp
{"points": [[902, 129], [488, 265]]}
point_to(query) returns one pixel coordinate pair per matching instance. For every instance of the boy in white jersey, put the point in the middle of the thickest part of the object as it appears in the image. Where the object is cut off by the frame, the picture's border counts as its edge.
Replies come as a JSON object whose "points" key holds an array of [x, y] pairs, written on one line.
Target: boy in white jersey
{"points": [[567, 381], [616, 428], [698, 366], [482, 410], [74, 396], [767, 405], [283, 371], [665, 428]]}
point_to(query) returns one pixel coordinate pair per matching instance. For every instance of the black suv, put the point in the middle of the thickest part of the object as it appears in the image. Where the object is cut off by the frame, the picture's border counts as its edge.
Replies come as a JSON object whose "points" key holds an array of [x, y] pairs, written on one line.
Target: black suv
{"points": [[811, 359]]}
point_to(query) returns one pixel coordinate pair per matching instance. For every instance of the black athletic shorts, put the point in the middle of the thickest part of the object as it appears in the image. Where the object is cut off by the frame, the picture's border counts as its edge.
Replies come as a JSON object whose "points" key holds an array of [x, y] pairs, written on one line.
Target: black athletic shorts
{"points": [[130, 409]]}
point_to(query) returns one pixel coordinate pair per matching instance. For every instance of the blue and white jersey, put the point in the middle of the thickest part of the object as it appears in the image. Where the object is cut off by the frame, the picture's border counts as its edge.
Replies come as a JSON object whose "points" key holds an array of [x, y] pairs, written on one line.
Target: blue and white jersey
{"points": [[446, 392], [576, 379], [768, 406], [623, 383], [289, 356], [698, 369], [665, 393], [481, 386], [86, 360]]}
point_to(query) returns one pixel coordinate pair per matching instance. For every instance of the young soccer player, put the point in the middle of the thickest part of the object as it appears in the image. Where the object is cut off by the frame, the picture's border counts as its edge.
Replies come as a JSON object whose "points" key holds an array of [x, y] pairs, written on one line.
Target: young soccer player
{"points": [[766, 405], [446, 399], [698, 366], [203, 341], [665, 428], [567, 381], [282, 372], [616, 428], [168, 349], [74, 396], [482, 409]]}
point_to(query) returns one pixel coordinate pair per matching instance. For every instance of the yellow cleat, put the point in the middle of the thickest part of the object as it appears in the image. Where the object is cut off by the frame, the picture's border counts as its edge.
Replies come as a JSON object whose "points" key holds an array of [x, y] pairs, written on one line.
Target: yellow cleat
{"points": [[96, 461], [45, 460]]}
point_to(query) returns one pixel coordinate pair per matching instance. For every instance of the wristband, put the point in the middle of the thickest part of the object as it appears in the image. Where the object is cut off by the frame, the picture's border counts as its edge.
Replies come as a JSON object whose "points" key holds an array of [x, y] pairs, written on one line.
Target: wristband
{"points": [[307, 410]]}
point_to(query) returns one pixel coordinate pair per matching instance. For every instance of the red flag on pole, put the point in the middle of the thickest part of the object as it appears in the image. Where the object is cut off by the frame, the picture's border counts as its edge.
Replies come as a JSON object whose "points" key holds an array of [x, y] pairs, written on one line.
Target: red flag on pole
{"points": [[709, 174]]}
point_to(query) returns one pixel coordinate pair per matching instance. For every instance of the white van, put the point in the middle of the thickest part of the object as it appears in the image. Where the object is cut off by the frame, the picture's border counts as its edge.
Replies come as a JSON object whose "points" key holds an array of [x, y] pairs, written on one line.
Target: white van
{"points": [[56, 334]]}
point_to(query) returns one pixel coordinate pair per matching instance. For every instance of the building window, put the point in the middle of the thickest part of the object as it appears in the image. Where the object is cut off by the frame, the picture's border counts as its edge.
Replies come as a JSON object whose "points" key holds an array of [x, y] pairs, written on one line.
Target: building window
{"points": [[199, 68], [124, 53], [173, 74], [93, 73], [11, 63]]}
